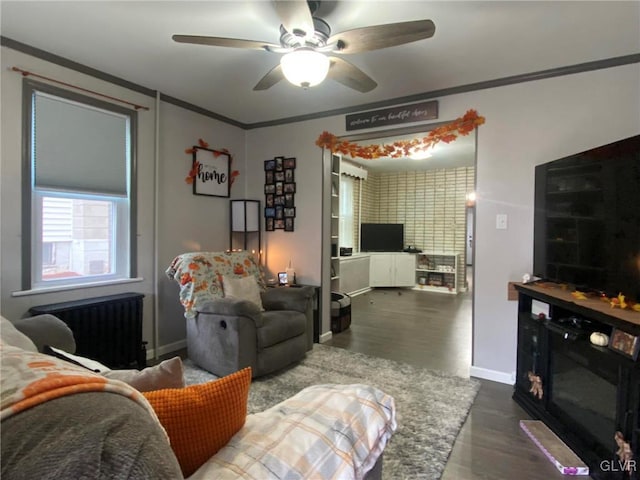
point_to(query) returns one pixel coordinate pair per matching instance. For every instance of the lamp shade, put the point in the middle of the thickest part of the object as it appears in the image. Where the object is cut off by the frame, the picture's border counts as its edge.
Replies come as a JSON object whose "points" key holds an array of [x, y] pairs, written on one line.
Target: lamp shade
{"points": [[305, 67], [245, 215], [245, 225]]}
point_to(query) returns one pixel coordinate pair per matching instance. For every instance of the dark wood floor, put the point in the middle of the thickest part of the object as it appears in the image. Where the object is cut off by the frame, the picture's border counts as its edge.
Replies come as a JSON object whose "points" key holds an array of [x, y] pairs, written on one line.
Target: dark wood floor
{"points": [[433, 330]]}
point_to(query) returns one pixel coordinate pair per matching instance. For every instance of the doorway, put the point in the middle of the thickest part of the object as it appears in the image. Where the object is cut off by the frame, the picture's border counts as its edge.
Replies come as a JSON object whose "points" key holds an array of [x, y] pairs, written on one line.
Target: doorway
{"points": [[399, 314]]}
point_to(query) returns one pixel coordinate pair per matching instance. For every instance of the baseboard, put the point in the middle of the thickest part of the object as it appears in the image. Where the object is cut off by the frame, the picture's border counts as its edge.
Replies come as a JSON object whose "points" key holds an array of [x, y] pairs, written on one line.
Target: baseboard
{"points": [[493, 375], [168, 348], [360, 292], [325, 337]]}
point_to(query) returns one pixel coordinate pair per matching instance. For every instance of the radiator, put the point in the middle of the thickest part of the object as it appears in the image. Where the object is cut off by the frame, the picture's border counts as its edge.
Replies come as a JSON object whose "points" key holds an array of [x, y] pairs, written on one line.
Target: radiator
{"points": [[107, 329]]}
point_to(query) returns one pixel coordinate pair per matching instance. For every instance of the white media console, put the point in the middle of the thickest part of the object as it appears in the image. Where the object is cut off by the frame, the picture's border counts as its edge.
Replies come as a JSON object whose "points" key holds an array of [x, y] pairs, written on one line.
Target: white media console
{"points": [[434, 272]]}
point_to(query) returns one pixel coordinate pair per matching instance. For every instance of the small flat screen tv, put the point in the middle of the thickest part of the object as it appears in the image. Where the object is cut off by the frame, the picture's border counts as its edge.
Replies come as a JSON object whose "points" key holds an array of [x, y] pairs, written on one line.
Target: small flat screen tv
{"points": [[381, 237], [587, 220]]}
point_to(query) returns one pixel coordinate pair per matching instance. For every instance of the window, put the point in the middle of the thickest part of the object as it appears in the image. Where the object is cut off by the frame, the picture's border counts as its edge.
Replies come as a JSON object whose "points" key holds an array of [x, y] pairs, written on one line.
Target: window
{"points": [[346, 211], [78, 201]]}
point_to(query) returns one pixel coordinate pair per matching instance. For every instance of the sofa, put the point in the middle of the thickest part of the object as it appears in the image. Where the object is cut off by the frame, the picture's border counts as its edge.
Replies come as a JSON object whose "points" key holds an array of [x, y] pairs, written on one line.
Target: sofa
{"points": [[61, 420], [233, 320]]}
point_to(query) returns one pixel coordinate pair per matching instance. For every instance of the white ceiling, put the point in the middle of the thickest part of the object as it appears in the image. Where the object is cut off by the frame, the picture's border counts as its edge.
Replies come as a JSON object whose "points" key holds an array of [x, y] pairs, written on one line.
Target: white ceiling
{"points": [[474, 42]]}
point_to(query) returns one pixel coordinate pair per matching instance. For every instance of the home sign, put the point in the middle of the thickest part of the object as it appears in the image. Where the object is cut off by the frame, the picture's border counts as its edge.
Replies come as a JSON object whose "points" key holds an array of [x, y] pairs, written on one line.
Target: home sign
{"points": [[212, 169]]}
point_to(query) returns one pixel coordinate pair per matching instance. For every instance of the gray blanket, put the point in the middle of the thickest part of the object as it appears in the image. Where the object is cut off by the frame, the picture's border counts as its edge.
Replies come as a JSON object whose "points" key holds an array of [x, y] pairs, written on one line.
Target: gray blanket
{"points": [[86, 436]]}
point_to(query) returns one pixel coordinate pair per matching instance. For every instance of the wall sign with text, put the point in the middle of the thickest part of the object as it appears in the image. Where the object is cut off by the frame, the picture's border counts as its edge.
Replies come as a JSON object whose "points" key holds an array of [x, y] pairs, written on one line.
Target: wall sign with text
{"points": [[212, 169], [416, 112]]}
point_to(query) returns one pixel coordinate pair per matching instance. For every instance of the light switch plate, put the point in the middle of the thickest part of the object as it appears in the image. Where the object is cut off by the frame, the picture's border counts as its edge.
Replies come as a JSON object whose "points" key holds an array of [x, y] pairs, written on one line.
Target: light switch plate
{"points": [[501, 221]]}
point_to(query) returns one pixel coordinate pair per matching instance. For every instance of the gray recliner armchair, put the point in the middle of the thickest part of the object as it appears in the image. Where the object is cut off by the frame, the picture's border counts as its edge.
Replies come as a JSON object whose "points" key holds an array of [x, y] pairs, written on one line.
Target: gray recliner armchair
{"points": [[227, 334]]}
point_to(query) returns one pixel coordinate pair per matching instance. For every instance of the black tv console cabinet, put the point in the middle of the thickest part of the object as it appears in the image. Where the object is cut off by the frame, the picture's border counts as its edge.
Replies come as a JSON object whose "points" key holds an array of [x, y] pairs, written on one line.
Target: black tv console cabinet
{"points": [[583, 392]]}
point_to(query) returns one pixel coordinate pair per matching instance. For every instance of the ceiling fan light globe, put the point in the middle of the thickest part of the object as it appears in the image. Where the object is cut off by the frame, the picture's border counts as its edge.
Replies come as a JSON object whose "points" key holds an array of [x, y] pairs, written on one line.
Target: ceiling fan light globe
{"points": [[305, 68]]}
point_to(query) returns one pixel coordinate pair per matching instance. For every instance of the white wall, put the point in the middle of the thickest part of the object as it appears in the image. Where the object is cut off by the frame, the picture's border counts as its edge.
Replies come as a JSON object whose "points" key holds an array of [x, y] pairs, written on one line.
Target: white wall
{"points": [[189, 222], [526, 124], [186, 221], [302, 246]]}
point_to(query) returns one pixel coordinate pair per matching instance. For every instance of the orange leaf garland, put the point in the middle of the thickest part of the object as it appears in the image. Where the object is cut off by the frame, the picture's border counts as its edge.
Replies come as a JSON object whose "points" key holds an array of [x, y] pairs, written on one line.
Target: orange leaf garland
{"points": [[402, 148], [192, 173]]}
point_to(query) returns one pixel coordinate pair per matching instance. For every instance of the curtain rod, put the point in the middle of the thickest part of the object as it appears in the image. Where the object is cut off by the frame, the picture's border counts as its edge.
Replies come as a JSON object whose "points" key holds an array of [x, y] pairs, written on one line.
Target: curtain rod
{"points": [[26, 73]]}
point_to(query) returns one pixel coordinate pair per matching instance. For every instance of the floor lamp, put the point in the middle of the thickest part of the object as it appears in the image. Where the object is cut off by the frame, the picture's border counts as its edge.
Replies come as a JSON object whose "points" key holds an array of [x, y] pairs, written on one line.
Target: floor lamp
{"points": [[245, 232]]}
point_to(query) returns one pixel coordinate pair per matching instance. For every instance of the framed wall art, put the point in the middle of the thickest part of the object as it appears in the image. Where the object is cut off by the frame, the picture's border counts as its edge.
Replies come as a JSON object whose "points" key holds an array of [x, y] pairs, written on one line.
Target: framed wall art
{"points": [[279, 190], [288, 224], [625, 343], [269, 224], [212, 172]]}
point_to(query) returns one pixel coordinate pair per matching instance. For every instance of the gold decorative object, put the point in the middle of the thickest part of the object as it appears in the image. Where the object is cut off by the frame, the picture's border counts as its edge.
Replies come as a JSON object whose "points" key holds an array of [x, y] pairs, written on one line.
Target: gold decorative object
{"points": [[536, 385], [624, 452]]}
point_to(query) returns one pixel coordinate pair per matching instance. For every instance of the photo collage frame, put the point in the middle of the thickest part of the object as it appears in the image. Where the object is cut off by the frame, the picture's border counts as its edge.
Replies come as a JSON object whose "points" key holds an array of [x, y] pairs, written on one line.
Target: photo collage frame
{"points": [[279, 194]]}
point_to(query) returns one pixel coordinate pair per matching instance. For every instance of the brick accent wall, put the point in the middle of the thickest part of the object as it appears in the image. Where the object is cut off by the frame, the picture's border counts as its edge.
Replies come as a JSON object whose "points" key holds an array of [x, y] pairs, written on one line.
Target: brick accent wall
{"points": [[431, 204]]}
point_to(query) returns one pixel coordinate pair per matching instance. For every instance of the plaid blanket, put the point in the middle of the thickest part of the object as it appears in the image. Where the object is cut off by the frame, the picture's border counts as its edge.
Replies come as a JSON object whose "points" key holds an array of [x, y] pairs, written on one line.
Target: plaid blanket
{"points": [[323, 432]]}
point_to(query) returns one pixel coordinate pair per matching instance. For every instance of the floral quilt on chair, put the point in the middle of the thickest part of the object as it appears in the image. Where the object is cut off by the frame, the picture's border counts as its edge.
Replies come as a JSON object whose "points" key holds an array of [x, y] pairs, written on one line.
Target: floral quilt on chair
{"points": [[199, 275]]}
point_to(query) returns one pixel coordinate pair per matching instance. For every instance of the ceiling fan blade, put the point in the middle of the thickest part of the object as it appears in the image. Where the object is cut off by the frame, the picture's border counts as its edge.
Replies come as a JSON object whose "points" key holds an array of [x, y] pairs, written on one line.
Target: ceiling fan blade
{"points": [[224, 42], [349, 75], [382, 36], [295, 16], [270, 79]]}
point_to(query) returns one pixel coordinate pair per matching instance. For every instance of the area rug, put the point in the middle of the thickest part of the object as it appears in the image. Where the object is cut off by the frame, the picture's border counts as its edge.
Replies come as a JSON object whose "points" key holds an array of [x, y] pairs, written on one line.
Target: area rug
{"points": [[431, 406]]}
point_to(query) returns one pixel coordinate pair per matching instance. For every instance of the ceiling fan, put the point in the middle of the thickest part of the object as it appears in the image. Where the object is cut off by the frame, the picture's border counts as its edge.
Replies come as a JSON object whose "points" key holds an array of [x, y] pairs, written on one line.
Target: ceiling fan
{"points": [[307, 43]]}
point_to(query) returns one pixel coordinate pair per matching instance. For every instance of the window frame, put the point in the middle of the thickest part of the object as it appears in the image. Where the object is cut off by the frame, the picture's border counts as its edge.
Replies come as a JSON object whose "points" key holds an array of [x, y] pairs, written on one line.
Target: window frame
{"points": [[31, 257]]}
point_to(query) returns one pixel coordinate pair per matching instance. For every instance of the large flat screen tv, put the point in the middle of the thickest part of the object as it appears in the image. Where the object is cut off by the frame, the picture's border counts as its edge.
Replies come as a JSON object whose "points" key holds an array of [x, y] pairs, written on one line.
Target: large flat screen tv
{"points": [[587, 220], [381, 237]]}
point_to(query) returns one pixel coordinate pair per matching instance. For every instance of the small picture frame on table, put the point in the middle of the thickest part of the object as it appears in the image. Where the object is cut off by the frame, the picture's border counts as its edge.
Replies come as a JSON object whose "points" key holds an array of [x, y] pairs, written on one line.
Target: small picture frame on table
{"points": [[624, 343], [282, 278]]}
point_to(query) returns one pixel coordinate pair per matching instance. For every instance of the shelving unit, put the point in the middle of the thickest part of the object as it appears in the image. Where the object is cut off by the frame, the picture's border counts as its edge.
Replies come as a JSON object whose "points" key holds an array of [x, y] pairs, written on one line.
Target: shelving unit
{"points": [[572, 225], [335, 222], [437, 272]]}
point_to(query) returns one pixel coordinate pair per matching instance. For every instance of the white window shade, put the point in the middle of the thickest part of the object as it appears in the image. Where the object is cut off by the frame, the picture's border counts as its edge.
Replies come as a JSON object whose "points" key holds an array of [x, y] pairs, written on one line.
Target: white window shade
{"points": [[346, 212], [352, 170], [80, 148]]}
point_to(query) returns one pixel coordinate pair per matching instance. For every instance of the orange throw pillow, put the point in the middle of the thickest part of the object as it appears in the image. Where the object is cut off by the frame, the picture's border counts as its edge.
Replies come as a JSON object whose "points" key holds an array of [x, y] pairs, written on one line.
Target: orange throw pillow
{"points": [[201, 419]]}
